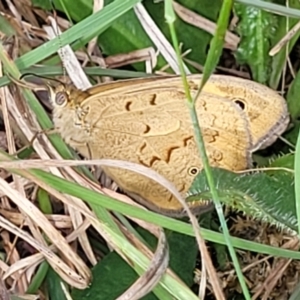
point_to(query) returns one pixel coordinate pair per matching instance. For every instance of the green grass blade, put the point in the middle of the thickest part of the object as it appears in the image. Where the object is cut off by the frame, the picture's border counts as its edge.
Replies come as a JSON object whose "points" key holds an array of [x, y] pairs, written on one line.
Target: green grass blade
{"points": [[96, 199], [217, 42], [297, 180]]}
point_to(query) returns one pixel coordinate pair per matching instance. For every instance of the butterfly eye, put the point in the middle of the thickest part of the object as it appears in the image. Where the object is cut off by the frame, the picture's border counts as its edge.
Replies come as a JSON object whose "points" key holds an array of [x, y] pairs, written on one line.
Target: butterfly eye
{"points": [[240, 103], [61, 98], [193, 171]]}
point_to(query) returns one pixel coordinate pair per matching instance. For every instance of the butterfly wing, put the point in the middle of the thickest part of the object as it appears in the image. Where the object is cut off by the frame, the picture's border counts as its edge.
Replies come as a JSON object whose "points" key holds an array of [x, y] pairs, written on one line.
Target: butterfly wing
{"points": [[155, 130], [265, 109]]}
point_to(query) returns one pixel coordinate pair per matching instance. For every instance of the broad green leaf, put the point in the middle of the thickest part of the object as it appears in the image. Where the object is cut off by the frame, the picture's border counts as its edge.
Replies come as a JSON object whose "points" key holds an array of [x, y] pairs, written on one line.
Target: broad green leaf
{"points": [[111, 277], [183, 254]]}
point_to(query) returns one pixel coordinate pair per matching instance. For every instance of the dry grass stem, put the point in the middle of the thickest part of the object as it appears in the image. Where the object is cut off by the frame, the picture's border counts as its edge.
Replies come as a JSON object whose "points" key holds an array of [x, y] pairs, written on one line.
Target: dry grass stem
{"points": [[156, 36]]}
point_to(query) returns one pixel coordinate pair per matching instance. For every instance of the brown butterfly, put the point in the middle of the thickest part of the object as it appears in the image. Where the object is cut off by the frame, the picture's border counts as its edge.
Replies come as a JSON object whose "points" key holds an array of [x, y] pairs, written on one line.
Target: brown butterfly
{"points": [[146, 121]]}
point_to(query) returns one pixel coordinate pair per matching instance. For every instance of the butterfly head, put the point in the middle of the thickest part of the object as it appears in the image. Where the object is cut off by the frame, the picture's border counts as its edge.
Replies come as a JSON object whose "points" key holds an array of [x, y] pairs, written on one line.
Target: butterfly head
{"points": [[64, 95], [59, 96]]}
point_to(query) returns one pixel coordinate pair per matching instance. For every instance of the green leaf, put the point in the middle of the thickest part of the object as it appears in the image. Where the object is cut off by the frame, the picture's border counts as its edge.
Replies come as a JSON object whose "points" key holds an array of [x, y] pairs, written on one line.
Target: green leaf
{"points": [[267, 198], [182, 246], [111, 277], [256, 28]]}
